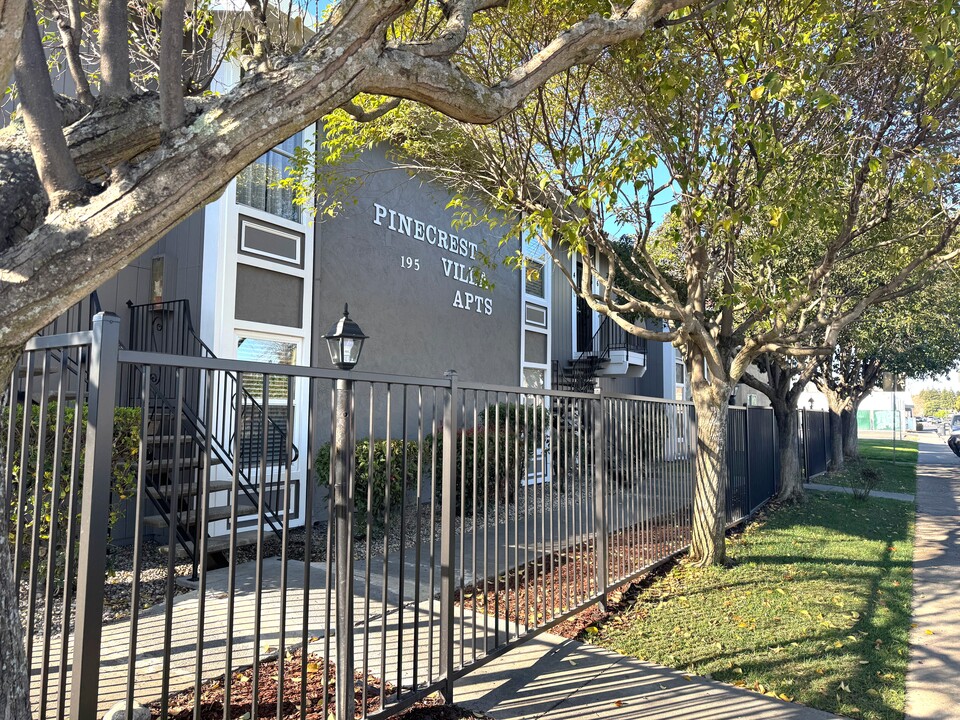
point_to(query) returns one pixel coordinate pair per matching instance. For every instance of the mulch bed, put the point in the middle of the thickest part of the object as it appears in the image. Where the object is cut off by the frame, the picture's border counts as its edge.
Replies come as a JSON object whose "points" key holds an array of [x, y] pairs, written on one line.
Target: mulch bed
{"points": [[557, 581], [181, 704]]}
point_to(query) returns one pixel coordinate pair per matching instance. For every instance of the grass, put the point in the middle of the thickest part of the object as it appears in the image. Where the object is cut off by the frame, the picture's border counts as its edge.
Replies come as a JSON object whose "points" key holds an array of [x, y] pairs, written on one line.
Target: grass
{"points": [[815, 609], [884, 451], [899, 476]]}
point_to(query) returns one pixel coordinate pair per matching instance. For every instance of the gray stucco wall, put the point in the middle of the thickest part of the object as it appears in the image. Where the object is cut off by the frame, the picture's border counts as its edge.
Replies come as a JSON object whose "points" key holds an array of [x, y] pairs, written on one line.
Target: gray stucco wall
{"points": [[422, 321]]}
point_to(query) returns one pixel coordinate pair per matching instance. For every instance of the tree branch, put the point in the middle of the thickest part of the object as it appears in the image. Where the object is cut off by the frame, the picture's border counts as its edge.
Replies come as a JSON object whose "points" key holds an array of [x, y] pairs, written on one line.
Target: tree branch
{"points": [[402, 72], [11, 28], [41, 117], [361, 115], [172, 113], [71, 33], [114, 50]]}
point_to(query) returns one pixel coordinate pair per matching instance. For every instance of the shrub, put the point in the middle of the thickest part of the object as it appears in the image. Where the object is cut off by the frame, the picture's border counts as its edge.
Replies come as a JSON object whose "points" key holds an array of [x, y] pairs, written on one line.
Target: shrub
{"points": [[863, 479], [126, 454], [488, 454], [399, 482]]}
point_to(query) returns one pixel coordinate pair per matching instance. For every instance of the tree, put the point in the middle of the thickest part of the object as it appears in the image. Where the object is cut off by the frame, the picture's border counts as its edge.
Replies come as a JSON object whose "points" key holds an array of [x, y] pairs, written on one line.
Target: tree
{"points": [[89, 182], [783, 381], [738, 119], [911, 337], [936, 403]]}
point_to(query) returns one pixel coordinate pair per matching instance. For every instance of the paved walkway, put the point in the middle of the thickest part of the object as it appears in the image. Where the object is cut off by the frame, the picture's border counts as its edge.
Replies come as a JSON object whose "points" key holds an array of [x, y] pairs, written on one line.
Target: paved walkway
{"points": [[905, 497], [552, 678], [933, 677]]}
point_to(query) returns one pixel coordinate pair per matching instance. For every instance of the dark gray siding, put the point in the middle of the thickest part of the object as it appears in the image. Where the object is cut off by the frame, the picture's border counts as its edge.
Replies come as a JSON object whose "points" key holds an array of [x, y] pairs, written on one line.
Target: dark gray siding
{"points": [[561, 327], [183, 250]]}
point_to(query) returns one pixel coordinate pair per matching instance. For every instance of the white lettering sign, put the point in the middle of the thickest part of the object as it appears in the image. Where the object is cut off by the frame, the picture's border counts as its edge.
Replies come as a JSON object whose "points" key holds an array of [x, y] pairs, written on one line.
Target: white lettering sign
{"points": [[439, 239]]}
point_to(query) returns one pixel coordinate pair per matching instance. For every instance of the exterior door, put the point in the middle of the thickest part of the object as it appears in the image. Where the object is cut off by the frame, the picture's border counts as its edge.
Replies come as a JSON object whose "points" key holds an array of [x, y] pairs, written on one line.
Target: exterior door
{"points": [[584, 319]]}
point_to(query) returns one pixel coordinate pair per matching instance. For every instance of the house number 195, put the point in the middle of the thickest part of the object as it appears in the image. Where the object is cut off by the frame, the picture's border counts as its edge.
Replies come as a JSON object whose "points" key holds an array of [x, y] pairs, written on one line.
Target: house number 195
{"points": [[408, 263]]}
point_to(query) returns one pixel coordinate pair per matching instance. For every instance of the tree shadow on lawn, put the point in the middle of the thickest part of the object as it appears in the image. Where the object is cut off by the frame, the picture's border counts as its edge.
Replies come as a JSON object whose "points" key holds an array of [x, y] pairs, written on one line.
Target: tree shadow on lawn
{"points": [[860, 644], [880, 633]]}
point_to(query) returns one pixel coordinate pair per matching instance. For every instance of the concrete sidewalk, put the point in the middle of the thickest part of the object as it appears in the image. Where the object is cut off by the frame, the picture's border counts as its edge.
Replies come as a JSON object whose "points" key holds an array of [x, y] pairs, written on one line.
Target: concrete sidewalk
{"points": [[933, 676], [556, 679], [903, 497]]}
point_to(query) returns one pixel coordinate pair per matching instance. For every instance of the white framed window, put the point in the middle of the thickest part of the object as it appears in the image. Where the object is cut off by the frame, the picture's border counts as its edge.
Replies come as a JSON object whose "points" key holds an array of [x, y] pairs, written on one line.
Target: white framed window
{"points": [[535, 315], [280, 400], [534, 278], [270, 242], [257, 183]]}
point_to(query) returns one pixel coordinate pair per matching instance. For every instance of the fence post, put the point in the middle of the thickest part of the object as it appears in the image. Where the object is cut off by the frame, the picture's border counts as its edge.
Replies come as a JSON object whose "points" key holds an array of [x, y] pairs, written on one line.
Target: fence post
{"points": [[94, 513], [343, 510], [599, 500], [447, 538], [746, 454]]}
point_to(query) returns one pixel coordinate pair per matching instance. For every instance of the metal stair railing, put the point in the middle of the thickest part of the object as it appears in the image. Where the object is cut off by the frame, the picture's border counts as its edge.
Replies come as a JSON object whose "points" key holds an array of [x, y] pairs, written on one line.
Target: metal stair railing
{"points": [[583, 369], [168, 328]]}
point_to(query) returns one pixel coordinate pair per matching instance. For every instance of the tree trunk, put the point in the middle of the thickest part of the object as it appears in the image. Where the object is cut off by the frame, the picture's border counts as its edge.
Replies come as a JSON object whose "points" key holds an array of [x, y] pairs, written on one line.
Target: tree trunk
{"points": [[836, 440], [788, 435], [709, 501], [851, 437], [14, 682]]}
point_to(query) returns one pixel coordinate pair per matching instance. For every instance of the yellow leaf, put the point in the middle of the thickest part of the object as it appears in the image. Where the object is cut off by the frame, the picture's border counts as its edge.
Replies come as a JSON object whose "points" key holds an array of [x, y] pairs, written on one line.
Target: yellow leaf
{"points": [[313, 667], [591, 630], [688, 678], [785, 697], [929, 632], [757, 92], [618, 703]]}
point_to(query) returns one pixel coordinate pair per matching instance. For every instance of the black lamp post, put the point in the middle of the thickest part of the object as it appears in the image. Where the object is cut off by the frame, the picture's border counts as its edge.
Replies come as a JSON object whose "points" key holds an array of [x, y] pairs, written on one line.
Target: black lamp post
{"points": [[345, 341], [811, 403]]}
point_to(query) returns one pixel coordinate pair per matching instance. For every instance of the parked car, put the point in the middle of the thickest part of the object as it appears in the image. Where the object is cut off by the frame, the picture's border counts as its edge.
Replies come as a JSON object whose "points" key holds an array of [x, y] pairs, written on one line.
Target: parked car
{"points": [[952, 430]]}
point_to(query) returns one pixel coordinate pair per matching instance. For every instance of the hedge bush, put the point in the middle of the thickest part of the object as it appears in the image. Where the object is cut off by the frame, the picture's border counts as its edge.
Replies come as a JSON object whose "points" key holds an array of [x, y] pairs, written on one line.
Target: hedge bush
{"points": [[491, 448], [378, 472], [495, 473], [126, 454]]}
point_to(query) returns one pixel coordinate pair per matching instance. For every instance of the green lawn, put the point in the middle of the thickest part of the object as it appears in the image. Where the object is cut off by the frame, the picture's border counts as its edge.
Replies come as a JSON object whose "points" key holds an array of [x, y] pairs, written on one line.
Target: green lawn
{"points": [[815, 609], [905, 451], [899, 476]]}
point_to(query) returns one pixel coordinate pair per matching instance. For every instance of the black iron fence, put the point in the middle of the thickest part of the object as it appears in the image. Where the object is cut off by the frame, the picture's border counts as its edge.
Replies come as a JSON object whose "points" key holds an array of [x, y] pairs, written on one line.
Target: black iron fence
{"points": [[815, 434], [426, 527]]}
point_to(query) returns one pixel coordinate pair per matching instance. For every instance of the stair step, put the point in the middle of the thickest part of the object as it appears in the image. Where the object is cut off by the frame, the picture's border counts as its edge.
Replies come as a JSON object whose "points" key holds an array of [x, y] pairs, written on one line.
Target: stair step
{"points": [[165, 491], [154, 439], [214, 514], [220, 543], [52, 369], [184, 463]]}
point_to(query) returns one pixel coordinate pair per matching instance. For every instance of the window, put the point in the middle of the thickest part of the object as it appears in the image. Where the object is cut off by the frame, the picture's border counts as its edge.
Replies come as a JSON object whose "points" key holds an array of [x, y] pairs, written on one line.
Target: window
{"points": [[536, 315], [535, 348], [752, 400], [534, 280], [278, 401], [681, 372], [534, 378], [257, 183]]}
